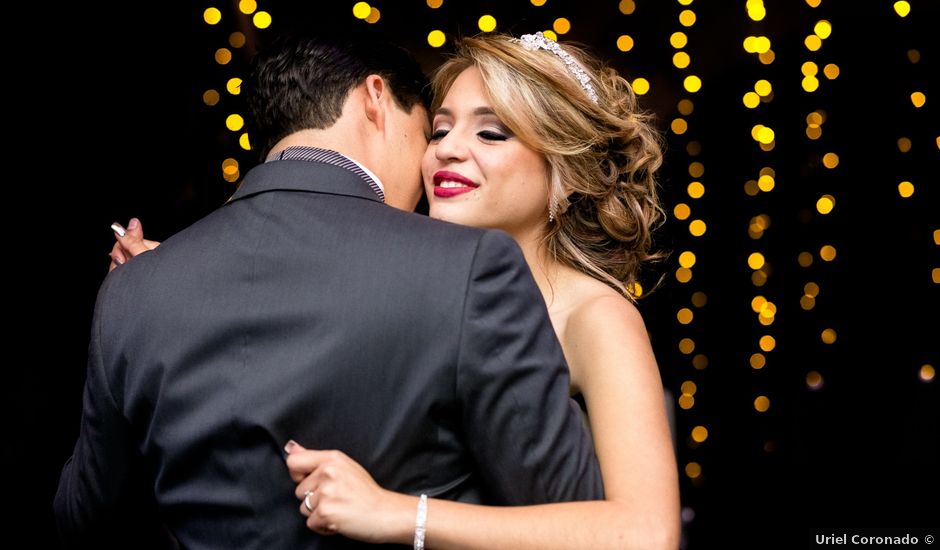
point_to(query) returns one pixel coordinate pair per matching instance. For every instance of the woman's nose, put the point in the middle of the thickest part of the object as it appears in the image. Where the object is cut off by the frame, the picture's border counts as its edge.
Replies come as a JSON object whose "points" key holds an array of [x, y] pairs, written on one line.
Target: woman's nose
{"points": [[451, 147]]}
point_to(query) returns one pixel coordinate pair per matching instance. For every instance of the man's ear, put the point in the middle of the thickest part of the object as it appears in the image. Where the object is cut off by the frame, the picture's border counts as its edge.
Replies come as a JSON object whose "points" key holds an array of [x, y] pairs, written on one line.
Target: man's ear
{"points": [[376, 100]]}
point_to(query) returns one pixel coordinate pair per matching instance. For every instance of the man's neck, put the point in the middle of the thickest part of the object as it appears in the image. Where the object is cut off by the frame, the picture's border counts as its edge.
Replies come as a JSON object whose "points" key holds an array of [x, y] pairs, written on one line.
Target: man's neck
{"points": [[320, 139]]}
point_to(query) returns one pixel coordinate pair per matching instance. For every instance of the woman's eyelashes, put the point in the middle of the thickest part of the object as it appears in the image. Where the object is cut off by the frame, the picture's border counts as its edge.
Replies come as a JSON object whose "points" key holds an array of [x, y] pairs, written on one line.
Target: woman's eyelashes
{"points": [[488, 135]]}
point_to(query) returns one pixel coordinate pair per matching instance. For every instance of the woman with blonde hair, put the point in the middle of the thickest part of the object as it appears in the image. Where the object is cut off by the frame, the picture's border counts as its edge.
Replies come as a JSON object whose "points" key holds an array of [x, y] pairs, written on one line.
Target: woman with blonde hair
{"points": [[538, 140]]}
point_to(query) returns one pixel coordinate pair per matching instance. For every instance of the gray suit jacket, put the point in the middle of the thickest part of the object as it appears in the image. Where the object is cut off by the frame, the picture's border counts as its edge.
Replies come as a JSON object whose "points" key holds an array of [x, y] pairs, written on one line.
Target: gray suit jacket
{"points": [[307, 309]]}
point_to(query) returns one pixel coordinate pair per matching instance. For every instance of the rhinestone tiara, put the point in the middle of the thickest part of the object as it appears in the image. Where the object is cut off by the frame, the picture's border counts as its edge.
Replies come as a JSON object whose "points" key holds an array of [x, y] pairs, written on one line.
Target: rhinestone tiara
{"points": [[538, 41]]}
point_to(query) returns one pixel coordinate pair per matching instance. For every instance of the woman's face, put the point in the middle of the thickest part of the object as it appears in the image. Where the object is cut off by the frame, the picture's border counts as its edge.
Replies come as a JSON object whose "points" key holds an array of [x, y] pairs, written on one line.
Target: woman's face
{"points": [[476, 172]]}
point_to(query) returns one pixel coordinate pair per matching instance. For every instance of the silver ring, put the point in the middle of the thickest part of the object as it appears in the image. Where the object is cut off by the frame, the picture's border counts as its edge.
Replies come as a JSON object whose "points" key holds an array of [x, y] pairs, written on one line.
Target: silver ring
{"points": [[307, 501]]}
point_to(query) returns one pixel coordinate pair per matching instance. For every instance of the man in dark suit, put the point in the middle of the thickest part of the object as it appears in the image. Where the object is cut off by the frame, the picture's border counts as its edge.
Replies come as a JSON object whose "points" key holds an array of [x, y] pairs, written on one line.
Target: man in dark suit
{"points": [[307, 309]]}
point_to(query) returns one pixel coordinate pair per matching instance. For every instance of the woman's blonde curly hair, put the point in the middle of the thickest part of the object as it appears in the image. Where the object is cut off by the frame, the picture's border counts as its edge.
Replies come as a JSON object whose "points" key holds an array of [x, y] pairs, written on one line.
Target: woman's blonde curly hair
{"points": [[602, 157]]}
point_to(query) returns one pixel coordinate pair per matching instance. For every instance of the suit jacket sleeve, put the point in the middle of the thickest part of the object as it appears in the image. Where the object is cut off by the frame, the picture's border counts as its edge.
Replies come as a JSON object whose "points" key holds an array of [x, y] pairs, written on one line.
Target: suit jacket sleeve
{"points": [[103, 496], [523, 428]]}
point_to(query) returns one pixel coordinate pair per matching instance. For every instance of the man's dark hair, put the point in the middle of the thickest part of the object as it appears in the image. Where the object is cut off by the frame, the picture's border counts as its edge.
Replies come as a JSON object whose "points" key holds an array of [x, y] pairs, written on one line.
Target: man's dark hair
{"points": [[302, 82]]}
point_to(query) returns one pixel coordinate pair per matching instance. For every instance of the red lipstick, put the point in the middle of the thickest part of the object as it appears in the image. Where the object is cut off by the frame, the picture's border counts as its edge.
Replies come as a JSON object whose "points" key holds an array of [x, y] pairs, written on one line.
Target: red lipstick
{"points": [[465, 185]]}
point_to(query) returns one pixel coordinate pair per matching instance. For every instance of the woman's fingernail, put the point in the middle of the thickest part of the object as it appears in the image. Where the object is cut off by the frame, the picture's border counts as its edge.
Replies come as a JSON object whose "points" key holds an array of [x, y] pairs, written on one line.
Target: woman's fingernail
{"points": [[134, 224], [290, 445], [118, 230]]}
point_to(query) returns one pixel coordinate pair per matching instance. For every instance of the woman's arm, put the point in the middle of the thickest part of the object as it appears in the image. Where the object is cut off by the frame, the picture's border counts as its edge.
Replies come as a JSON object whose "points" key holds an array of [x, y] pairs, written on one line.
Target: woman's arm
{"points": [[611, 358]]}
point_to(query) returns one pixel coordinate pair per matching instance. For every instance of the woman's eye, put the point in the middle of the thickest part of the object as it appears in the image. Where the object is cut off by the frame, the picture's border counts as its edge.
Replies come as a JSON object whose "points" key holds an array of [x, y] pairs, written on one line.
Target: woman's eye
{"points": [[438, 134], [492, 136]]}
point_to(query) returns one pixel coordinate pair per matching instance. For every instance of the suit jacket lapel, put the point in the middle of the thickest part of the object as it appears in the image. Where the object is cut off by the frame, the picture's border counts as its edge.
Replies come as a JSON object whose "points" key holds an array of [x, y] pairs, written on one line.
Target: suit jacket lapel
{"points": [[301, 175]]}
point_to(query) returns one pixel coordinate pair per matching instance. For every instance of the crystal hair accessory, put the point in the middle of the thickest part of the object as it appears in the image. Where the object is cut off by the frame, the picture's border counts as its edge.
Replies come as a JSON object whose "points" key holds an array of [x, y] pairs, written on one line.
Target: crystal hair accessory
{"points": [[538, 41]]}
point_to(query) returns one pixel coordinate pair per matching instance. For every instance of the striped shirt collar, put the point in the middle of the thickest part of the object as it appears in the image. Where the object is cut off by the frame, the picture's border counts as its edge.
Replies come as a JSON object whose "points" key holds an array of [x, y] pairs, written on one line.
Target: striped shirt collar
{"points": [[327, 156]]}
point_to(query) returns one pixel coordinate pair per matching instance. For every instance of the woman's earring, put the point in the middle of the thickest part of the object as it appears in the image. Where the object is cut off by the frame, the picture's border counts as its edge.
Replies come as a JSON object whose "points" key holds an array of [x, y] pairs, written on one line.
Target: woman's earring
{"points": [[552, 208]]}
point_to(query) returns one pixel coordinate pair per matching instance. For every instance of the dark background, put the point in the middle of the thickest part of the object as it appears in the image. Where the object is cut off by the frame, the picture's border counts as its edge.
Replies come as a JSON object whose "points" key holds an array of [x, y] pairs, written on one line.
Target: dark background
{"points": [[107, 108]]}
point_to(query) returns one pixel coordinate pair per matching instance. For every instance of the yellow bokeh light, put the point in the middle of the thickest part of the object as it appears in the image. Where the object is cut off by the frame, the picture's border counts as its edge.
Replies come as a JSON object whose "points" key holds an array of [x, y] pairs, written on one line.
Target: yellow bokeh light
{"points": [[810, 83], [805, 259], [692, 83], [550, 34], [766, 183], [757, 12], [625, 43], [436, 38], [627, 7], [935, 275], [234, 122], [374, 16], [487, 23], [902, 8], [231, 178], [637, 289], [762, 403], [210, 97], [761, 44], [686, 346], [757, 303], [913, 56], [815, 119], [814, 380], [683, 275], [212, 16], [684, 316], [809, 69], [765, 135], [768, 310], [687, 18], [751, 100], [681, 60], [904, 145], [813, 43], [936, 237], [763, 87], [700, 362], [697, 228], [688, 387], [830, 160], [811, 289], [693, 470], [831, 71], [938, 142], [434, 4], [813, 3], [223, 56], [926, 373], [767, 57], [767, 342], [699, 299], [828, 336], [682, 211], [262, 19], [755, 260], [243, 142], [641, 86], [234, 86], [678, 39], [361, 10], [229, 166], [699, 434], [685, 106], [696, 169], [807, 302], [679, 126], [825, 204], [813, 132], [768, 171], [247, 7], [686, 401], [758, 361], [685, 2], [827, 253], [237, 39], [906, 189], [918, 99], [696, 190], [823, 29], [561, 25]]}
